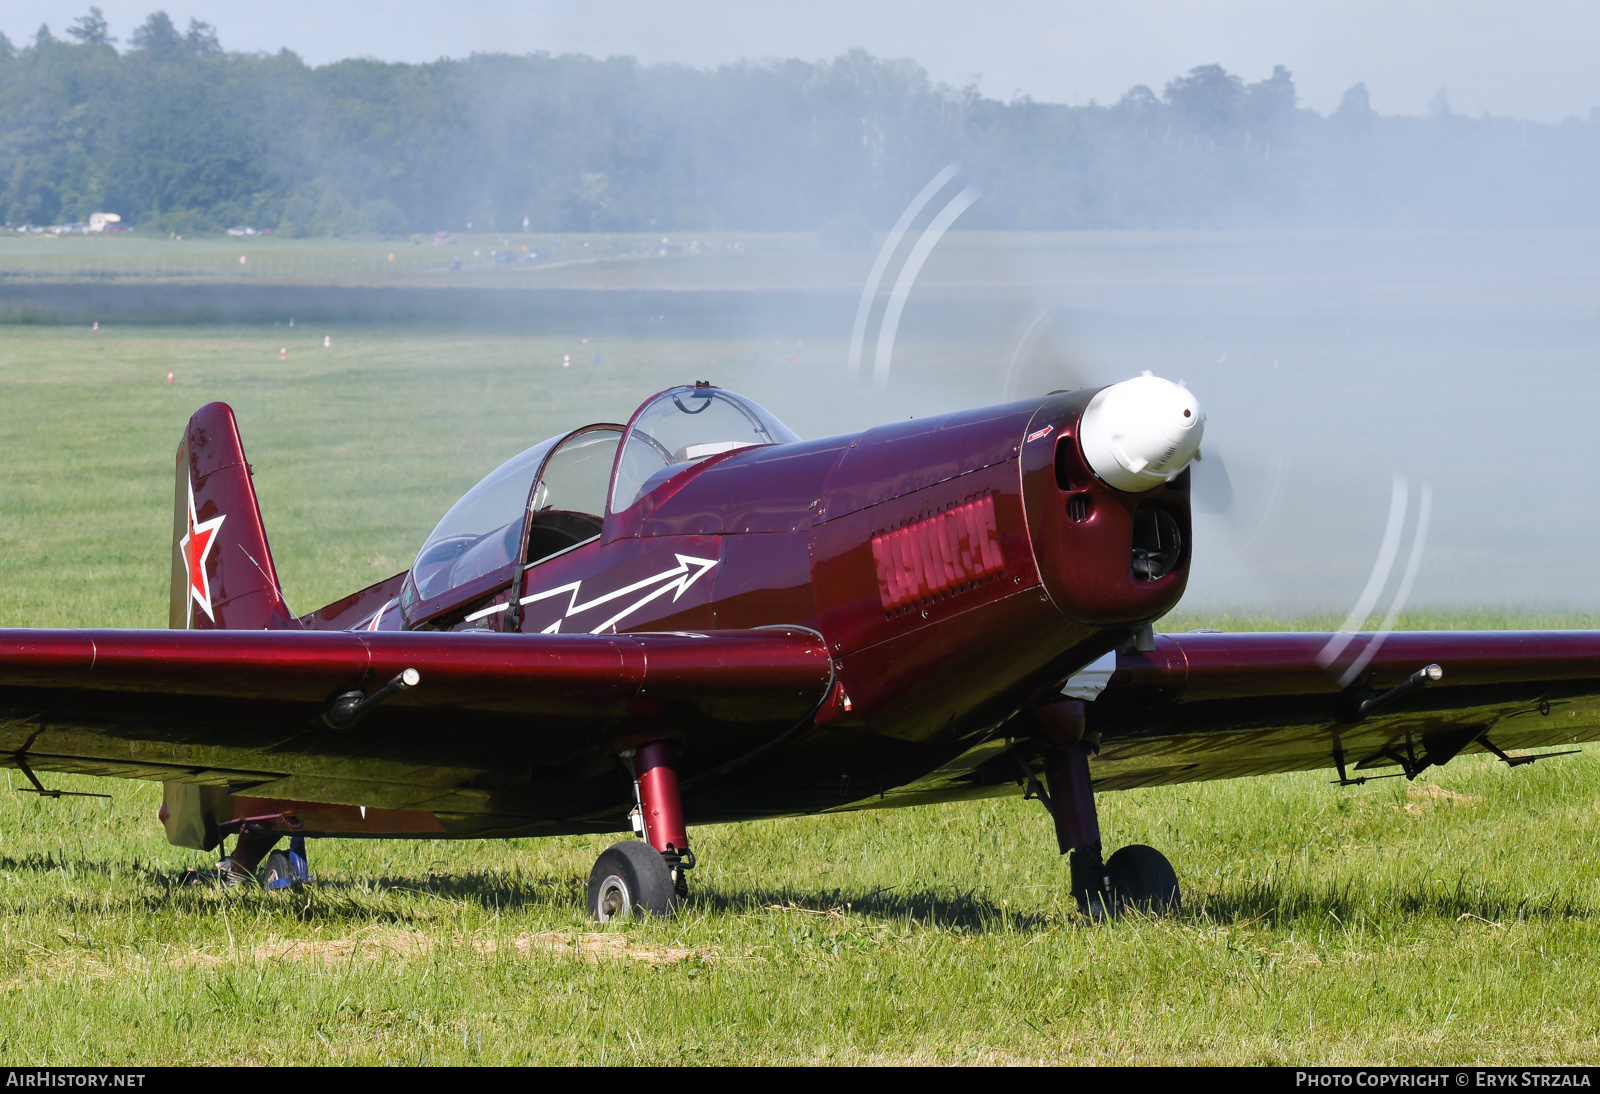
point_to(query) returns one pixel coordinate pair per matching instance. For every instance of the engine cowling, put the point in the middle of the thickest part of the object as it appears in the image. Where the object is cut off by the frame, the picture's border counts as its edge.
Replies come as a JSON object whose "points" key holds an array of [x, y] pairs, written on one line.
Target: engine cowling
{"points": [[1109, 554]]}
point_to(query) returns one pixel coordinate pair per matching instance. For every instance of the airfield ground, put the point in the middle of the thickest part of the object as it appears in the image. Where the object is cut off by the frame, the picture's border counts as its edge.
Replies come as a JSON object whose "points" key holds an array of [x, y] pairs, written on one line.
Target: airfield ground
{"points": [[1452, 919]]}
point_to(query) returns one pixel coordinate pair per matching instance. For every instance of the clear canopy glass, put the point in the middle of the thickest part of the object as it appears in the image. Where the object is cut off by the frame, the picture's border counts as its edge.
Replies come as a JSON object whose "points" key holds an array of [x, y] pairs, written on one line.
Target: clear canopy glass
{"points": [[683, 426], [483, 531], [569, 502], [576, 476]]}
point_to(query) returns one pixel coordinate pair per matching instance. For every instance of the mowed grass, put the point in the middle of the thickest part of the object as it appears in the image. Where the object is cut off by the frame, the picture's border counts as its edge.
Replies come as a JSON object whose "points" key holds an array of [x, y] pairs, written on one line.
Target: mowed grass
{"points": [[1448, 920]]}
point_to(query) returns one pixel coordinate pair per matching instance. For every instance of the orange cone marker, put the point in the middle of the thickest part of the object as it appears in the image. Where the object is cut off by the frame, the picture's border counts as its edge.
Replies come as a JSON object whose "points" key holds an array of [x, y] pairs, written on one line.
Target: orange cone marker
{"points": [[282, 353], [169, 376]]}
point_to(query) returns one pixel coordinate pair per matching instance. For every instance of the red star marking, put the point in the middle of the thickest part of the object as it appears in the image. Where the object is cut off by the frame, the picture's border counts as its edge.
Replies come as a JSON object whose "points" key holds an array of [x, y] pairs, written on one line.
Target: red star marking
{"points": [[196, 548]]}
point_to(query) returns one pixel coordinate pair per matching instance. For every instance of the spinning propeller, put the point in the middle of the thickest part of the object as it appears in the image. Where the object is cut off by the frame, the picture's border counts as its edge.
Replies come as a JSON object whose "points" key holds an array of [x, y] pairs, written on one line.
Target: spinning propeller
{"points": [[1242, 495], [1247, 506]]}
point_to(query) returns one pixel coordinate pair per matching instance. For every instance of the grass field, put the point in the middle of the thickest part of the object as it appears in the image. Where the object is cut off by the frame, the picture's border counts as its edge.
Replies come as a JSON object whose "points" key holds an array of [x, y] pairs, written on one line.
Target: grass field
{"points": [[1449, 920], [1161, 275], [516, 259]]}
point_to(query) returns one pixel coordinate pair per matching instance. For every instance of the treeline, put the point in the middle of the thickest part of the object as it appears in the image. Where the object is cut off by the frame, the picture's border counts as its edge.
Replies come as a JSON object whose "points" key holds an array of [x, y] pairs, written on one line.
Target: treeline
{"points": [[173, 132]]}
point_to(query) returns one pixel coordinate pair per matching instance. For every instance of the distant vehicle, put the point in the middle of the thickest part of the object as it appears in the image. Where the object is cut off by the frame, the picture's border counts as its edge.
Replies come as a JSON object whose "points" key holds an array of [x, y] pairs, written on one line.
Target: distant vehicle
{"points": [[243, 231], [101, 222]]}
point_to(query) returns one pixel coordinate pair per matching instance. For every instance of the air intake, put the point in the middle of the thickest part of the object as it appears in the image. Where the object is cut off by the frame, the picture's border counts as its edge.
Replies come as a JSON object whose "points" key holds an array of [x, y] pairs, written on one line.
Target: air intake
{"points": [[1157, 543]]}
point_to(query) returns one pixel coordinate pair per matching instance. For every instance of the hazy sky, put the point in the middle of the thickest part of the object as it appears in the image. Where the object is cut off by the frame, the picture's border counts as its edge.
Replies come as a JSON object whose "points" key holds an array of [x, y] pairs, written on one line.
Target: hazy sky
{"points": [[1531, 59]]}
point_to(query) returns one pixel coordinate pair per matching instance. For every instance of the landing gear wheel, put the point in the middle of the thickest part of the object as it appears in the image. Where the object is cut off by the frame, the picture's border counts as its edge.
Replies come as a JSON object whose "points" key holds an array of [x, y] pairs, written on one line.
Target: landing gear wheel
{"points": [[281, 871], [631, 879], [1143, 879]]}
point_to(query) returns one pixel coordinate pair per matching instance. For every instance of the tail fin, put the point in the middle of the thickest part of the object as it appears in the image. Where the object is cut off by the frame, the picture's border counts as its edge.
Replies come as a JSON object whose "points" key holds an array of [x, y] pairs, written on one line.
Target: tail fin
{"points": [[222, 571]]}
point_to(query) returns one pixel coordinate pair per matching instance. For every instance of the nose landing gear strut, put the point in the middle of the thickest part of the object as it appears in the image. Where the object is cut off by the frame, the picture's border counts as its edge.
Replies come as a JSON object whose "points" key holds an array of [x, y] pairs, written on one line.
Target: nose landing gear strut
{"points": [[1136, 876], [1066, 771], [646, 876]]}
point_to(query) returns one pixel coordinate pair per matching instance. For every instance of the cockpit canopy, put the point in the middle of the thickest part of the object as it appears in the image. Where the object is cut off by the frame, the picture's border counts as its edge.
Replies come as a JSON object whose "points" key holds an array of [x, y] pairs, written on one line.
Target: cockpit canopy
{"points": [[685, 425], [552, 497], [486, 530]]}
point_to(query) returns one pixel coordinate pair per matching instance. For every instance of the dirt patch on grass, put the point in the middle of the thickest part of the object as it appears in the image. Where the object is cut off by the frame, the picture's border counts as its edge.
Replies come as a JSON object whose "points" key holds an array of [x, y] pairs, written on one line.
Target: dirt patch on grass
{"points": [[369, 945], [1425, 796], [596, 946], [593, 946]]}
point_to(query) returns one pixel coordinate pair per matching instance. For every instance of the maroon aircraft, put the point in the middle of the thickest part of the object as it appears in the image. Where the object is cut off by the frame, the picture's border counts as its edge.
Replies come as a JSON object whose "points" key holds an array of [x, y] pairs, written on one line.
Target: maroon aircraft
{"points": [[698, 617]]}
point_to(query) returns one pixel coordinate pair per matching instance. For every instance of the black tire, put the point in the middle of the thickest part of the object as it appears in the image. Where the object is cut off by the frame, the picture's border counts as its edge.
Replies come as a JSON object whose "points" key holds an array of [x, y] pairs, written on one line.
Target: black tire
{"points": [[631, 879], [1142, 879], [278, 871]]}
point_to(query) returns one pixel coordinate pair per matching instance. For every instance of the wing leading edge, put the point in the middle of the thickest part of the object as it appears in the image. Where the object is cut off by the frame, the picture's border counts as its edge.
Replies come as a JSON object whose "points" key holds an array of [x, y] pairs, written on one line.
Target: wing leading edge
{"points": [[1206, 706], [1216, 706]]}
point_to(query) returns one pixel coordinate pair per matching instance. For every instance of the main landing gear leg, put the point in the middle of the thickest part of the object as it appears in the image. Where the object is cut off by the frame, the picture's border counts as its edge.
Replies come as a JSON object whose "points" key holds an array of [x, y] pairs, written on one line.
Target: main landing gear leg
{"points": [[637, 877], [1136, 876], [661, 808], [248, 851]]}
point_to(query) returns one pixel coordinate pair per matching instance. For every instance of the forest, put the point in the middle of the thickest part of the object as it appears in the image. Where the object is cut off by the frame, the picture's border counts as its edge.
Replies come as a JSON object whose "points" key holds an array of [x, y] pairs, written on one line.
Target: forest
{"points": [[175, 133]]}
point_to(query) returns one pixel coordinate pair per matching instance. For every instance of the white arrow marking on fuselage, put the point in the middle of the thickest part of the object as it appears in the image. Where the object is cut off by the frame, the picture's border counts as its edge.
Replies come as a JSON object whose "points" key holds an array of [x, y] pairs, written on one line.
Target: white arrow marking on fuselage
{"points": [[682, 572]]}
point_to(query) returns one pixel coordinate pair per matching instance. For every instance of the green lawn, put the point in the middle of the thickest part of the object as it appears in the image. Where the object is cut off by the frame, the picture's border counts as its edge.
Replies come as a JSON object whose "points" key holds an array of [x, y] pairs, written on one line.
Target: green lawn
{"points": [[519, 259], [1452, 919]]}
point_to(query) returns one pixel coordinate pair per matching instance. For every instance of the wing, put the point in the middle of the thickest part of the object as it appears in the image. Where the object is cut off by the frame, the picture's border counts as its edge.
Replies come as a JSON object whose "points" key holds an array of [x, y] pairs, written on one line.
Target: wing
{"points": [[504, 733], [1218, 706]]}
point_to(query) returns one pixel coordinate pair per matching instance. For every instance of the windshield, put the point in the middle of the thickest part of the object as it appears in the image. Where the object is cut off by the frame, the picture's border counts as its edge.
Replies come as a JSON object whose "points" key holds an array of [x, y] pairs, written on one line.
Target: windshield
{"points": [[683, 426], [482, 531]]}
